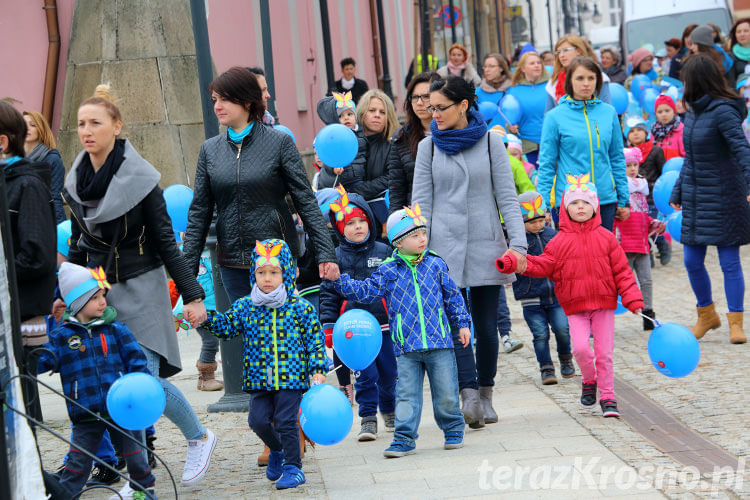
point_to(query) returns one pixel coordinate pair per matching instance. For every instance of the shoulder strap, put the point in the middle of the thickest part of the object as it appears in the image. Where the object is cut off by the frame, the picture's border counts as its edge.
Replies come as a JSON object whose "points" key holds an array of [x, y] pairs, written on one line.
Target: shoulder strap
{"points": [[492, 180]]}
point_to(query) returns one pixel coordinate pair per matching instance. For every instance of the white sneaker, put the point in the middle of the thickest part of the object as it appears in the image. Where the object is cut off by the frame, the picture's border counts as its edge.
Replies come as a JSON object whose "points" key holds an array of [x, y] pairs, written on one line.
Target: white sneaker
{"points": [[510, 345], [126, 493], [198, 458]]}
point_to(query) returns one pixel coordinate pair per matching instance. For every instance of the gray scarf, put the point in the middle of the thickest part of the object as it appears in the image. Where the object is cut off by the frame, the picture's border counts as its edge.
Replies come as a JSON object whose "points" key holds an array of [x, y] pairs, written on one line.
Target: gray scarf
{"points": [[272, 300], [38, 153]]}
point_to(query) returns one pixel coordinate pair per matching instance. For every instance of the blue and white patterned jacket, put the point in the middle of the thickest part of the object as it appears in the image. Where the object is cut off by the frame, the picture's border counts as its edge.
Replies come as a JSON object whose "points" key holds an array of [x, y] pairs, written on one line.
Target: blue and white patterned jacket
{"points": [[89, 359], [282, 347], [423, 301]]}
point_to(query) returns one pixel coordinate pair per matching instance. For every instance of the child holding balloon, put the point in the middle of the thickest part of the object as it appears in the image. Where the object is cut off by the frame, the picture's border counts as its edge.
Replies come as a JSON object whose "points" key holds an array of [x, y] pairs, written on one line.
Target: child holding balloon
{"points": [[423, 303], [283, 349], [91, 350], [589, 269], [359, 255]]}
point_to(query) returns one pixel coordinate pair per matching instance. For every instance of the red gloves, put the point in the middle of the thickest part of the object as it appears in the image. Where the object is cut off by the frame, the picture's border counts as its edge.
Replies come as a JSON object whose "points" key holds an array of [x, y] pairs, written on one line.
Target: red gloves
{"points": [[507, 264], [329, 337]]}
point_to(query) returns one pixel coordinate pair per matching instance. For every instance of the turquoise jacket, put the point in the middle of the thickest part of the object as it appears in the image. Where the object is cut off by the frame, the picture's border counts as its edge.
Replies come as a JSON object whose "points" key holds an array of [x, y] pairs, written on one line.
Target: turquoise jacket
{"points": [[533, 98], [422, 300], [495, 98], [580, 137], [282, 347]]}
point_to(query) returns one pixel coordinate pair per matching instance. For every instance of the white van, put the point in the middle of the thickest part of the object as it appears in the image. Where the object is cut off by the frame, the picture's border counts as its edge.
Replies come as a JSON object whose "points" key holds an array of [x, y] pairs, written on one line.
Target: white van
{"points": [[653, 21]]}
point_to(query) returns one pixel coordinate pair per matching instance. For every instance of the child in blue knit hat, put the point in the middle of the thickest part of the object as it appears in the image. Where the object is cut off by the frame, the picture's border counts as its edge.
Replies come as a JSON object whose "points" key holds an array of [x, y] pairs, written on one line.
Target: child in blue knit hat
{"points": [[423, 303]]}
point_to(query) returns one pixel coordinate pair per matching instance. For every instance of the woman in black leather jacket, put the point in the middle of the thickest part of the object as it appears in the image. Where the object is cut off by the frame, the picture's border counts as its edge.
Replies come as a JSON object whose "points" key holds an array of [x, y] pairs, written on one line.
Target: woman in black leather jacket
{"points": [[119, 221], [405, 140], [247, 173]]}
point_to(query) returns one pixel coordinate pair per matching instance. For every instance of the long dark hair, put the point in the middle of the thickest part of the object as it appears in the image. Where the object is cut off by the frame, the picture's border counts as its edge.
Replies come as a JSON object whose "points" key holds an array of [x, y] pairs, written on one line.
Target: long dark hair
{"points": [[702, 76], [239, 85], [733, 31], [414, 132]]}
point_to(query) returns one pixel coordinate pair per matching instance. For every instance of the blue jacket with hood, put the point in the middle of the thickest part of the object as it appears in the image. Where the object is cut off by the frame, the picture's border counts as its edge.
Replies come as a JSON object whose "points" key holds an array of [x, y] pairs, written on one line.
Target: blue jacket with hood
{"points": [[580, 137], [358, 260], [282, 347]]}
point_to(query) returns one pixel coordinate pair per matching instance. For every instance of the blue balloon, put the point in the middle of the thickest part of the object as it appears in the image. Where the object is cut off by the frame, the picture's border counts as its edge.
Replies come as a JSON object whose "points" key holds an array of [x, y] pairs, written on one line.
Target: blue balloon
{"points": [[621, 309], [325, 414], [673, 164], [638, 85], [648, 100], [663, 190], [136, 400], [511, 109], [673, 350], [336, 145], [286, 130], [357, 338], [64, 233], [488, 110], [387, 198], [550, 69], [178, 199], [619, 97], [674, 225]]}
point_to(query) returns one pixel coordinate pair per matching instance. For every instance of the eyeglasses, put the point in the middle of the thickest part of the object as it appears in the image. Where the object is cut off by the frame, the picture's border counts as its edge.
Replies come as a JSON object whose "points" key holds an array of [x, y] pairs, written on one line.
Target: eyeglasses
{"points": [[566, 49], [432, 109], [425, 98]]}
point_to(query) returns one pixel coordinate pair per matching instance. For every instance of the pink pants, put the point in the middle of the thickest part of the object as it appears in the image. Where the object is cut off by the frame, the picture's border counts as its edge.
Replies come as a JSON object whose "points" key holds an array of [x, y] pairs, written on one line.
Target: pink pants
{"points": [[596, 365]]}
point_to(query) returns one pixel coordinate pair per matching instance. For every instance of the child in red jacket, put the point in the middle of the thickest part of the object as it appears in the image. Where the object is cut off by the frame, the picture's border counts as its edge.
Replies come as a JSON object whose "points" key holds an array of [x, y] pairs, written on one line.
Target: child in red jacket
{"points": [[634, 231], [667, 130], [589, 270]]}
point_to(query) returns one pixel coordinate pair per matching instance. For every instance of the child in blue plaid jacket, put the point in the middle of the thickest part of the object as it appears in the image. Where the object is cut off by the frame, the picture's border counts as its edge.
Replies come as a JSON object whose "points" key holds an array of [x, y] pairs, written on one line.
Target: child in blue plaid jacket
{"points": [[283, 347], [91, 350], [423, 302]]}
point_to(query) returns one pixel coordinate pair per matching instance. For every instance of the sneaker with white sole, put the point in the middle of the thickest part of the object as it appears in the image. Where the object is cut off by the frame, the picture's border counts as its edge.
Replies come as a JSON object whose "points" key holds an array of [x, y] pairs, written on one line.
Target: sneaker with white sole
{"points": [[126, 493], [198, 458], [510, 345]]}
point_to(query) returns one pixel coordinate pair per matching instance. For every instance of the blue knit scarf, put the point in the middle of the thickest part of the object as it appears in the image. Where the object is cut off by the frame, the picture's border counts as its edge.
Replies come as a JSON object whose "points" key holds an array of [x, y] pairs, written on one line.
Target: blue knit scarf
{"points": [[454, 141]]}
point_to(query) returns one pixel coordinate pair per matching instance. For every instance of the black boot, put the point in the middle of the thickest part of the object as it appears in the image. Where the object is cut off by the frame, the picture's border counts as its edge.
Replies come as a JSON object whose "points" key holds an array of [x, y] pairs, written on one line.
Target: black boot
{"points": [[647, 323], [150, 444], [567, 368], [665, 251]]}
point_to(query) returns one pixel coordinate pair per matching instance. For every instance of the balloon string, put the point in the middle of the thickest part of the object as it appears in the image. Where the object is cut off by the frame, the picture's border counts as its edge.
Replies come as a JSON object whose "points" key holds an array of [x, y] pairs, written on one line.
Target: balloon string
{"points": [[334, 369], [653, 320]]}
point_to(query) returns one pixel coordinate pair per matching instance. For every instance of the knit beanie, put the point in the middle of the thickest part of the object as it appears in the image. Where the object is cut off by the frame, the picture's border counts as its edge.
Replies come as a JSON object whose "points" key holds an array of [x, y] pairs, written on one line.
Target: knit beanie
{"points": [[532, 205], [344, 102], [324, 197], [404, 222], [513, 142], [665, 99], [266, 254], [580, 188], [703, 35], [78, 284], [639, 55], [346, 211], [633, 155], [637, 123]]}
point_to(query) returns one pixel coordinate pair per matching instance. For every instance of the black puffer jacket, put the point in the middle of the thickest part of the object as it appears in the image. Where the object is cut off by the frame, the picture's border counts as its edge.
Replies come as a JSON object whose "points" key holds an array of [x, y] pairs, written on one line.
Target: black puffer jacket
{"points": [[247, 183], [32, 227], [715, 179], [650, 168], [400, 170], [137, 223], [376, 170]]}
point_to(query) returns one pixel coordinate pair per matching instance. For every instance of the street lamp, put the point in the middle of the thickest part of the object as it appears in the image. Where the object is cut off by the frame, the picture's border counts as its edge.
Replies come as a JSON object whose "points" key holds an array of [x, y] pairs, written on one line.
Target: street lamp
{"points": [[585, 13], [597, 17]]}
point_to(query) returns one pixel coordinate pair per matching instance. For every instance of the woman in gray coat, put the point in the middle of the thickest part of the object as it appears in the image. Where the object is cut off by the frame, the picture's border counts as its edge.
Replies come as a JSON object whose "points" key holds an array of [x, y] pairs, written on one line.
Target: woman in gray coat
{"points": [[462, 179]]}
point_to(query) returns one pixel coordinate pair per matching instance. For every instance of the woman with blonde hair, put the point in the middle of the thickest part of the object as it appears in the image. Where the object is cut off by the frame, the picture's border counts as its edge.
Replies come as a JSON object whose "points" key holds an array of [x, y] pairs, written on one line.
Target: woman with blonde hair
{"points": [[568, 48], [376, 115], [459, 65], [528, 87], [39, 146]]}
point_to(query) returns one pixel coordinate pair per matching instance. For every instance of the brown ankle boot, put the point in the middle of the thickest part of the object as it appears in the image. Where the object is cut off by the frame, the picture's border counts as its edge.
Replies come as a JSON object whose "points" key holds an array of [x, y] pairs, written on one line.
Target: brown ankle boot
{"points": [[206, 380], [736, 335], [263, 457], [303, 439], [707, 320]]}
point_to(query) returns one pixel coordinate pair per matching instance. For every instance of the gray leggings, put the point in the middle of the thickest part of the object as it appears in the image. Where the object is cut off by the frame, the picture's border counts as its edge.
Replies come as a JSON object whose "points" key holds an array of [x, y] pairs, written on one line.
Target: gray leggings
{"points": [[209, 346], [640, 263]]}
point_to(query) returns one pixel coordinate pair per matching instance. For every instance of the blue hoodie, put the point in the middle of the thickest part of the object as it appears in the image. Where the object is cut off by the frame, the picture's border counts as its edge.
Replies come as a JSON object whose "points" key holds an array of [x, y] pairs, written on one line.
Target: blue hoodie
{"points": [[581, 137], [533, 97]]}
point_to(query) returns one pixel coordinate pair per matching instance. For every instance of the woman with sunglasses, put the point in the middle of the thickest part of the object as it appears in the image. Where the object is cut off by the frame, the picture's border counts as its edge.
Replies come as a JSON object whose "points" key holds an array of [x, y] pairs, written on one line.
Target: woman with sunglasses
{"points": [[494, 84], [462, 178], [405, 140], [568, 48]]}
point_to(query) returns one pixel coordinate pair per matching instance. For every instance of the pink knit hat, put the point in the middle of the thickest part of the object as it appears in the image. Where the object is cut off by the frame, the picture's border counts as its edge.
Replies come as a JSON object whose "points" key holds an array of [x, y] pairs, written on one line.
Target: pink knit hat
{"points": [[633, 155], [639, 55], [665, 99], [580, 187]]}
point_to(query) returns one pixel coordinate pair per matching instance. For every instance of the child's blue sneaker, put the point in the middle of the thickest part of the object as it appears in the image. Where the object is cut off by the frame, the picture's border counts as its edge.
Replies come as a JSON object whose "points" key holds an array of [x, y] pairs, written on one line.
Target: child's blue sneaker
{"points": [[454, 440], [398, 449], [275, 465], [293, 477]]}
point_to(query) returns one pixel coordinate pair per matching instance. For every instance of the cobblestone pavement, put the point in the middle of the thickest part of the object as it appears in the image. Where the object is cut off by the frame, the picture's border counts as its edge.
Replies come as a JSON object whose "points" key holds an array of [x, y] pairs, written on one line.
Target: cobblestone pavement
{"points": [[539, 425]]}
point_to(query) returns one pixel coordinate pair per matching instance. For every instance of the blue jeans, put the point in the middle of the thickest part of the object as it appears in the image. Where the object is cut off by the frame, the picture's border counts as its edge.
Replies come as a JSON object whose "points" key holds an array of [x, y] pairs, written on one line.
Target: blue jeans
{"points": [[273, 417], [105, 452], [236, 282], [483, 306], [734, 281], [88, 436], [440, 365], [503, 314], [540, 318], [178, 410], [375, 386], [606, 212]]}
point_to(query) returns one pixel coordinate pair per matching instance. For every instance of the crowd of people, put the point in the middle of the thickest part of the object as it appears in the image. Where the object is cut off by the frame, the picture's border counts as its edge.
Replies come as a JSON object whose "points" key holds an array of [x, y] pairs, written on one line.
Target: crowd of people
{"points": [[425, 229]]}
